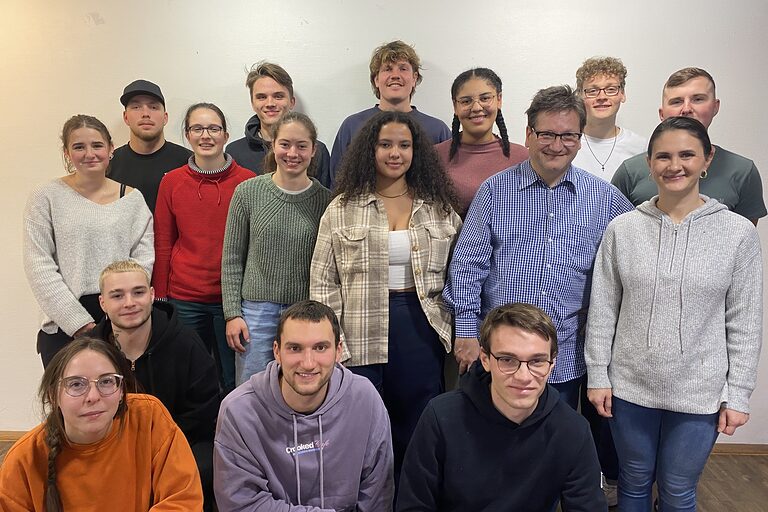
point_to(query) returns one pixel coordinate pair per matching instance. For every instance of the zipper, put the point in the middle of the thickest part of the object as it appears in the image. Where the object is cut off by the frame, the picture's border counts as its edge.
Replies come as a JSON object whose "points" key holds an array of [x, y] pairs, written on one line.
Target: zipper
{"points": [[674, 249]]}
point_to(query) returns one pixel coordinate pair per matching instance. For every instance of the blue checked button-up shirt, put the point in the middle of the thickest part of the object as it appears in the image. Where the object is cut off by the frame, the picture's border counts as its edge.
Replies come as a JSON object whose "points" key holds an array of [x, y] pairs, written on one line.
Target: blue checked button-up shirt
{"points": [[526, 242]]}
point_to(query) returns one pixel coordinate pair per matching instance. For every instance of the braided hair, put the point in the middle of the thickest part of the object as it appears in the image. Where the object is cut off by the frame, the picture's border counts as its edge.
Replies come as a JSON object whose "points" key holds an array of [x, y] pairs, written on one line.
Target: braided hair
{"points": [[494, 81], [49, 395]]}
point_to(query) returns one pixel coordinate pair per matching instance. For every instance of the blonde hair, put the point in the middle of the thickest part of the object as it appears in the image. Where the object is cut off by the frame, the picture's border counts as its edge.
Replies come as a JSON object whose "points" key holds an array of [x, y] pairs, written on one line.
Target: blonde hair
{"points": [[119, 267], [594, 66]]}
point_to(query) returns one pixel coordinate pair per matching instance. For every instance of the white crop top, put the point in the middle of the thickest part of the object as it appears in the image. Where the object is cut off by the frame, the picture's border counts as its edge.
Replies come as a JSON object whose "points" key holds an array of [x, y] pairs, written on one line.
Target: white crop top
{"points": [[400, 271]]}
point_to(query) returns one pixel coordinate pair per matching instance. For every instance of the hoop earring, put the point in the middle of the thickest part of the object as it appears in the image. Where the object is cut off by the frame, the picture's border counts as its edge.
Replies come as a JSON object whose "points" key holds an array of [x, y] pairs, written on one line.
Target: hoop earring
{"points": [[704, 174]]}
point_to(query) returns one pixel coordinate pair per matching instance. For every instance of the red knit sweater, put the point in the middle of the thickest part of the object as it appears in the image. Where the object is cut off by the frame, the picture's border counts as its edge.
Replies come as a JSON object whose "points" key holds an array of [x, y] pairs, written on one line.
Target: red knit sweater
{"points": [[190, 218]]}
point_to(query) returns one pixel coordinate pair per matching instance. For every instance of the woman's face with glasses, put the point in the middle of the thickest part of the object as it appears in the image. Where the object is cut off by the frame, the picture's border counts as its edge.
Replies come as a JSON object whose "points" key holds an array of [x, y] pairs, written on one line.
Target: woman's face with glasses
{"points": [[476, 105], [89, 394], [205, 133]]}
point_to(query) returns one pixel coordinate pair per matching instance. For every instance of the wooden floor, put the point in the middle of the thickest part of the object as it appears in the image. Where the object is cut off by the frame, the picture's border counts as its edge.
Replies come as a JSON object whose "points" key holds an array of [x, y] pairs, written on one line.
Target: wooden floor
{"points": [[732, 483]]}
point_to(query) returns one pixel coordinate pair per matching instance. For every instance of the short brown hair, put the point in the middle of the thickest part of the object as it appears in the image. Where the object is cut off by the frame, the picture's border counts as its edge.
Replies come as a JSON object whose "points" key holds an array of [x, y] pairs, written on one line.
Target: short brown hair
{"points": [[310, 311], [391, 53], [524, 316], [274, 71], [594, 66], [558, 98], [681, 76]]}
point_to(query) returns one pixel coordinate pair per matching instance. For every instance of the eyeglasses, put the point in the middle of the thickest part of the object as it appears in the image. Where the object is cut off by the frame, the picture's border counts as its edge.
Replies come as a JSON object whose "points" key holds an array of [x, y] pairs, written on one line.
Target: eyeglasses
{"points": [[106, 384], [483, 99], [509, 365], [212, 130], [594, 92], [545, 138]]}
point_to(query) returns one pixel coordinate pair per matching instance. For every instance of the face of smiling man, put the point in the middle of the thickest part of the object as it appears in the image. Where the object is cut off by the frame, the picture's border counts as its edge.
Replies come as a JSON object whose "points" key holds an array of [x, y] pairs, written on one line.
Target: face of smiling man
{"points": [[307, 354]]}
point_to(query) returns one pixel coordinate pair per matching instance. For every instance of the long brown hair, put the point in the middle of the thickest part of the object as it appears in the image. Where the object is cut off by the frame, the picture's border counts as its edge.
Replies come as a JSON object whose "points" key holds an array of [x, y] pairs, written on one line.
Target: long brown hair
{"points": [[49, 396]]}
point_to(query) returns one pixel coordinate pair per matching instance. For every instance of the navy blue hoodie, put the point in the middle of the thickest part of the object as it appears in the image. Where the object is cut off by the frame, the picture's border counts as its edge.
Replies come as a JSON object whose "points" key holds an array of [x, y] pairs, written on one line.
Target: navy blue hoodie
{"points": [[465, 455]]}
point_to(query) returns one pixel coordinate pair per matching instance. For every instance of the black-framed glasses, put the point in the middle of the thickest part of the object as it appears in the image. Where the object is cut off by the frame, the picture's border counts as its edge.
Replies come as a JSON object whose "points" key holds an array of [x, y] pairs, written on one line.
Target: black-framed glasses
{"points": [[545, 137], [106, 384], [509, 365], [213, 129], [484, 100], [594, 92]]}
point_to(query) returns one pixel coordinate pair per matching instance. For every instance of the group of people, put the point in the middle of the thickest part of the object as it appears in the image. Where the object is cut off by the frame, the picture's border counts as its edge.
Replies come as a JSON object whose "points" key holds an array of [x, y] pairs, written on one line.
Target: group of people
{"points": [[262, 265]]}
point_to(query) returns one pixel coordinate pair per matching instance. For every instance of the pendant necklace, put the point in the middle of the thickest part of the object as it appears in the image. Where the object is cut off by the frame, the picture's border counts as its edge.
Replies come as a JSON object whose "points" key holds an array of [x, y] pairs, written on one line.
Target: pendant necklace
{"points": [[602, 164]]}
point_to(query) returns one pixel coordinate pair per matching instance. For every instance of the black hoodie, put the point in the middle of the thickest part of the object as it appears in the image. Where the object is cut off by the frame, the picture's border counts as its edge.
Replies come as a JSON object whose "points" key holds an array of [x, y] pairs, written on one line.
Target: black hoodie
{"points": [[465, 455], [249, 152], [176, 369]]}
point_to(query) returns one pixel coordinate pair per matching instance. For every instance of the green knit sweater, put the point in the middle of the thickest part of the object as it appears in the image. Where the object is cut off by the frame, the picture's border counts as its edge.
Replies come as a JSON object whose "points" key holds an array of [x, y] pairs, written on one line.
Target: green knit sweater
{"points": [[268, 243]]}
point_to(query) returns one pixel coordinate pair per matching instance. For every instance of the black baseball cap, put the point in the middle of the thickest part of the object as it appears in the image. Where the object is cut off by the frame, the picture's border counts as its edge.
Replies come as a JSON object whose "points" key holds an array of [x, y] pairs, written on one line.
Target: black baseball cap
{"points": [[141, 87]]}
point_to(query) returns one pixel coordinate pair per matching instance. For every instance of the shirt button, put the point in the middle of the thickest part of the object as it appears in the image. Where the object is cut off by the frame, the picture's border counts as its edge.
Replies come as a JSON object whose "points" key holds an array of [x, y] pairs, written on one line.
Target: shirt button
{"points": [[544, 293], [551, 214], [549, 240], [417, 271], [415, 247], [412, 225], [549, 265], [422, 296]]}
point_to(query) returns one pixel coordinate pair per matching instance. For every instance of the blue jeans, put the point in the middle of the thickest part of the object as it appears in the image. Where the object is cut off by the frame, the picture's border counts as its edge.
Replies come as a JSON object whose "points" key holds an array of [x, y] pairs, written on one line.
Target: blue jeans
{"points": [[208, 321], [262, 319], [669, 447]]}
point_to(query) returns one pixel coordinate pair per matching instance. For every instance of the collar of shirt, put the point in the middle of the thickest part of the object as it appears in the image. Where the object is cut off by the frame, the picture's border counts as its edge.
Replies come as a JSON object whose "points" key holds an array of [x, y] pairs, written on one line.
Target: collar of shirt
{"points": [[528, 177]]}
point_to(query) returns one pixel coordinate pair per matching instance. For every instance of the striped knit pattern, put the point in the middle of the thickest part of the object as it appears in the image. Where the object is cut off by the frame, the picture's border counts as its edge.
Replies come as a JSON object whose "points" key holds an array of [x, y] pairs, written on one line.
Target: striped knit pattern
{"points": [[268, 243]]}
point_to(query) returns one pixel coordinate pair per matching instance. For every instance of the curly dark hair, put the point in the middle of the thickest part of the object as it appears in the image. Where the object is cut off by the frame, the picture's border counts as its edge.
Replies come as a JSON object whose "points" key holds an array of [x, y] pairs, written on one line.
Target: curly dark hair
{"points": [[426, 177]]}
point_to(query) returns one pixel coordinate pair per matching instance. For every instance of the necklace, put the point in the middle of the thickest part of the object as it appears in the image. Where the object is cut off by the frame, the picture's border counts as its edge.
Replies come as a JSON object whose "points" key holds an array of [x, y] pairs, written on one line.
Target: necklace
{"points": [[395, 196], [602, 164]]}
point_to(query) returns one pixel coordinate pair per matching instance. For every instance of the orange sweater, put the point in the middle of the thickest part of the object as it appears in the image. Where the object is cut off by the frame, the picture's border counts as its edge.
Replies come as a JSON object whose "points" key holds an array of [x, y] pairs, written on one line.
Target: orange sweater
{"points": [[147, 465]]}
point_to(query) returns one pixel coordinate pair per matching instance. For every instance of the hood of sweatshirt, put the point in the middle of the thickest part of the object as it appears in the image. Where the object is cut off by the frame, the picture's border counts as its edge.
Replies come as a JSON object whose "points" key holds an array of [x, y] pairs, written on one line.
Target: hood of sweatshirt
{"points": [[476, 385], [255, 142], [709, 207]]}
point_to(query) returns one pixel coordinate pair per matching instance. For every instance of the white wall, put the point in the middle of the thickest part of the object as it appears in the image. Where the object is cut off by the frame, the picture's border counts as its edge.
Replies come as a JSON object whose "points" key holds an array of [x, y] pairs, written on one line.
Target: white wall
{"points": [[62, 58]]}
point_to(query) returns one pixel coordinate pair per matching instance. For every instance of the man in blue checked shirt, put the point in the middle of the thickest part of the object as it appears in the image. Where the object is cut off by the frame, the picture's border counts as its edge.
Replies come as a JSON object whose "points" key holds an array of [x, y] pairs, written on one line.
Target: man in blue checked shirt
{"points": [[531, 236]]}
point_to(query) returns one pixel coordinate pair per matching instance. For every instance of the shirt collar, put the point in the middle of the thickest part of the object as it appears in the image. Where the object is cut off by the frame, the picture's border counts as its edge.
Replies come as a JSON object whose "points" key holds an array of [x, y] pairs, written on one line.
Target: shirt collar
{"points": [[529, 177]]}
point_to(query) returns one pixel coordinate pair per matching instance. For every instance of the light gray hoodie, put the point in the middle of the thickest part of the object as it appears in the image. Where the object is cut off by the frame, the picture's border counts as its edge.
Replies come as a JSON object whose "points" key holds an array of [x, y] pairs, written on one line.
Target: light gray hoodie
{"points": [[269, 458], [675, 316]]}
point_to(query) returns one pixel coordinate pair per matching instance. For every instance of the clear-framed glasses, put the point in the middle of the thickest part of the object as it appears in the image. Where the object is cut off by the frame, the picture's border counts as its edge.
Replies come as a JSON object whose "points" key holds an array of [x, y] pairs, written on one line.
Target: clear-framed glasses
{"points": [[106, 384], [212, 130], [484, 100], [594, 92], [509, 365], [545, 138]]}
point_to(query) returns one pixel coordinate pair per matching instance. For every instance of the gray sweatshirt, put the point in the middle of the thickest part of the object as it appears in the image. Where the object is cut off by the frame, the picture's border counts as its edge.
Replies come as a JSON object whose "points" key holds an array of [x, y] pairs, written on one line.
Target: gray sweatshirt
{"points": [[675, 317], [269, 458]]}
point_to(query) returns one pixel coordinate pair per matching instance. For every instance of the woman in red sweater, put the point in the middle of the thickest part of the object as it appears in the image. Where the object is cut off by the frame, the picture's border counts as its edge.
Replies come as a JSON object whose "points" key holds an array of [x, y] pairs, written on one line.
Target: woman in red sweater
{"points": [[190, 218]]}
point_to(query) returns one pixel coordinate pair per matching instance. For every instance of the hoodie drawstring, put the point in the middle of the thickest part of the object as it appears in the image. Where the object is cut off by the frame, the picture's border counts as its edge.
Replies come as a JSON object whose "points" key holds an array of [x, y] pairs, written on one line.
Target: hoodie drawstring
{"points": [[322, 483], [296, 461], [218, 189]]}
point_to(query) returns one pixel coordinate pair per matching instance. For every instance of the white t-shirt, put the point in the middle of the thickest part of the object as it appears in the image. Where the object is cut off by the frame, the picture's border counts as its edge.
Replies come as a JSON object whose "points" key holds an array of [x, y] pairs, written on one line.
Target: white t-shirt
{"points": [[628, 144]]}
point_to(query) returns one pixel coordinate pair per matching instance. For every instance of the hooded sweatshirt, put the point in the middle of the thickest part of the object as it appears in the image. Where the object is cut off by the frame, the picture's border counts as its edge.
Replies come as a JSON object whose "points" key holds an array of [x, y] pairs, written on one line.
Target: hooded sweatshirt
{"points": [[177, 369], [251, 150], [465, 455], [270, 458], [675, 317]]}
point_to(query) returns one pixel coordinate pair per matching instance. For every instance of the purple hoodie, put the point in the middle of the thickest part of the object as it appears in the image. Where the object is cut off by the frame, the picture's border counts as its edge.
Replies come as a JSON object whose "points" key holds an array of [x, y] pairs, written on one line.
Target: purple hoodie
{"points": [[270, 458]]}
